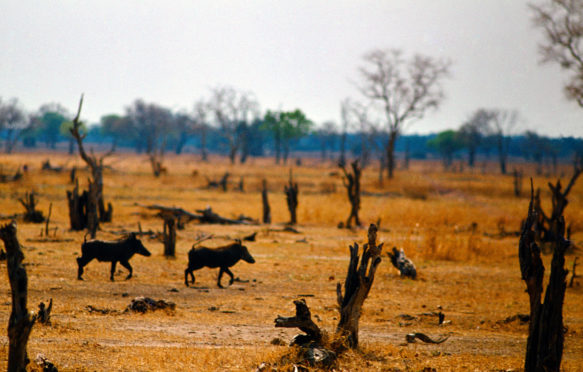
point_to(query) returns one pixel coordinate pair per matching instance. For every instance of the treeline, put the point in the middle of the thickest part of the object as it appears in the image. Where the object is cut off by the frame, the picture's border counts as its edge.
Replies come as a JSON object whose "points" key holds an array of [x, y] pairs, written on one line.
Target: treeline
{"points": [[229, 123]]}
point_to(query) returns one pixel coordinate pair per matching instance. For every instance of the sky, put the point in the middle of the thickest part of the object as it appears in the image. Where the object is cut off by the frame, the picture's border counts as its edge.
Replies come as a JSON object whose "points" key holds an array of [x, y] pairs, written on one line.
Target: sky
{"points": [[290, 54]]}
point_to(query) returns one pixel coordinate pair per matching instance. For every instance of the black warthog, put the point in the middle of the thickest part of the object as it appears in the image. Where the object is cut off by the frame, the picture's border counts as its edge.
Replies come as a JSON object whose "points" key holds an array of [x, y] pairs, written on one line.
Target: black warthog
{"points": [[222, 257], [121, 250]]}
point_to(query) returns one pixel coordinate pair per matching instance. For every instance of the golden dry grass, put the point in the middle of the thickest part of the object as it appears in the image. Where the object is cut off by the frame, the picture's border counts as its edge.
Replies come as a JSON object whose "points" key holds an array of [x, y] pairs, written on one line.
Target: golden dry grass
{"points": [[472, 277]]}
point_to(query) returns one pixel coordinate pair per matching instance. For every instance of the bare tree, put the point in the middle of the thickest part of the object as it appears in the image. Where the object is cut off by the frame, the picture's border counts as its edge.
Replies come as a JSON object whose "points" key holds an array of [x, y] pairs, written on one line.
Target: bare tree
{"points": [[473, 131], [230, 108], [562, 25], [95, 207], [152, 123], [13, 120], [201, 126], [326, 135], [503, 121], [405, 89], [344, 112]]}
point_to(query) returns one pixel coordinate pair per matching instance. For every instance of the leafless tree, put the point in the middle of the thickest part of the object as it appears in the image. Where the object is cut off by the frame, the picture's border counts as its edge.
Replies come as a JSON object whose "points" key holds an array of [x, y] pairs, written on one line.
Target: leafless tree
{"points": [[152, 124], [404, 89], [562, 25], [326, 135], [474, 130], [230, 108], [199, 117], [503, 121], [13, 120], [95, 207], [344, 112]]}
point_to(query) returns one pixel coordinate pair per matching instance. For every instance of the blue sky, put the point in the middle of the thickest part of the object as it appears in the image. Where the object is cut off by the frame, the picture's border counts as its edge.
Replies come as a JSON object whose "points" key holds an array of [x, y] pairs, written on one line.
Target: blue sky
{"points": [[290, 54]]}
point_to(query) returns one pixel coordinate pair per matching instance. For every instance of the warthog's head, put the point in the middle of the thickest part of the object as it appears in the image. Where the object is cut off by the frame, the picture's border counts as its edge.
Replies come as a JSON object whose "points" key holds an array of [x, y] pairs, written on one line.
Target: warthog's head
{"points": [[137, 245], [245, 255]]}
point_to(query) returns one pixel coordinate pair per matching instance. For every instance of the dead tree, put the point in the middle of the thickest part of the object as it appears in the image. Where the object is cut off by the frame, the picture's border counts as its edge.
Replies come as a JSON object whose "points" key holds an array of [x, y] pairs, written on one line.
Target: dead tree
{"points": [[95, 207], [44, 312], [77, 208], [21, 320], [169, 236], [352, 183], [549, 227], [221, 183], [29, 203], [303, 321], [291, 196], [545, 341], [357, 285], [156, 158], [265, 200]]}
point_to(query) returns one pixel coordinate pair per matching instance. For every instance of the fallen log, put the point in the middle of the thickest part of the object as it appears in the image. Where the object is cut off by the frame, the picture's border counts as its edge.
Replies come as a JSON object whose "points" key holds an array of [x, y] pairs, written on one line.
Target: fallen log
{"points": [[206, 215]]}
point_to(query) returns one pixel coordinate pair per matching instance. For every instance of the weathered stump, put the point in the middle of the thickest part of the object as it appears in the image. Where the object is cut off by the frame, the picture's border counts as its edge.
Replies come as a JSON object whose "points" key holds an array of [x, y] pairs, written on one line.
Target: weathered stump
{"points": [[291, 196], [29, 203], [21, 321], [357, 285], [265, 200], [77, 208], [352, 183], [545, 341], [169, 236]]}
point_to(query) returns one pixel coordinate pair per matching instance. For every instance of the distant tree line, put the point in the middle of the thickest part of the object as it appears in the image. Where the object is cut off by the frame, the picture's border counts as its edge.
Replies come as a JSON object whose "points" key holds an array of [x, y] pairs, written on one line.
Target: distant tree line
{"points": [[229, 123]]}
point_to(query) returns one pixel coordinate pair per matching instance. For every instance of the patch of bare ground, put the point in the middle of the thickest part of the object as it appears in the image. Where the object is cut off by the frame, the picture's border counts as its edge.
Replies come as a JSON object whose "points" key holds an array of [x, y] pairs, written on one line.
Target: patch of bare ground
{"points": [[472, 278]]}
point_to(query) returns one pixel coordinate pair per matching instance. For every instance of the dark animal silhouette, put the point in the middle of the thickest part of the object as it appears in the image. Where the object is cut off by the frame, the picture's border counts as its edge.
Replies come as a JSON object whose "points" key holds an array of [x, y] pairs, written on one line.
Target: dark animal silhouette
{"points": [[222, 257], [403, 263], [118, 251]]}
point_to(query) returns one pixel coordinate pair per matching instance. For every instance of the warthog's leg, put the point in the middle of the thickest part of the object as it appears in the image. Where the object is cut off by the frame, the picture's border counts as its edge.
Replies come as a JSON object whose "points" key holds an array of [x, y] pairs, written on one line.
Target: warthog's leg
{"points": [[127, 265], [81, 262], [230, 274], [186, 273], [112, 270], [221, 270]]}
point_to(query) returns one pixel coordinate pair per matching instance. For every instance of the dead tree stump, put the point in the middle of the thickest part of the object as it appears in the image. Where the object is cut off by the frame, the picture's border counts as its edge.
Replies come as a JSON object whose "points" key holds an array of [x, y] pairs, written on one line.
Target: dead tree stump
{"points": [[95, 194], [545, 341], [357, 285], [29, 203], [77, 208], [265, 200], [291, 196], [21, 321], [303, 321], [549, 231], [169, 236], [352, 183]]}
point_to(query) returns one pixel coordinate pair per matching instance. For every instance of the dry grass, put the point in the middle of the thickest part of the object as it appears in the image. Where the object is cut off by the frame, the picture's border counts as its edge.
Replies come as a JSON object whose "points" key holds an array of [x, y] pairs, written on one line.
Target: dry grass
{"points": [[474, 278]]}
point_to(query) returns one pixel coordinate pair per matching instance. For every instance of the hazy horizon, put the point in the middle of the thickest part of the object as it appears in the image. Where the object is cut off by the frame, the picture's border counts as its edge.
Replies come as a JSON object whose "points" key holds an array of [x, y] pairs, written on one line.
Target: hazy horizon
{"points": [[302, 54]]}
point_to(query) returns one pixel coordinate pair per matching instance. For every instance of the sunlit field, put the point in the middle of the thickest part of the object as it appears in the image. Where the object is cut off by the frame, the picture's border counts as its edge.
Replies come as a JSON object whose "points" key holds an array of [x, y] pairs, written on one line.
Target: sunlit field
{"points": [[449, 224]]}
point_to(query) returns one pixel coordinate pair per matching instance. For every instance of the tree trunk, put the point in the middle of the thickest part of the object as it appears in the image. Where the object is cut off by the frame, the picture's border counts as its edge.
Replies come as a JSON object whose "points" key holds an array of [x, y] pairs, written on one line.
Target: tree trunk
{"points": [[277, 146], [291, 193], [545, 341], [391, 152], [352, 183], [471, 156], [203, 151], [357, 285], [342, 160], [169, 236], [21, 321], [502, 154], [265, 200]]}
